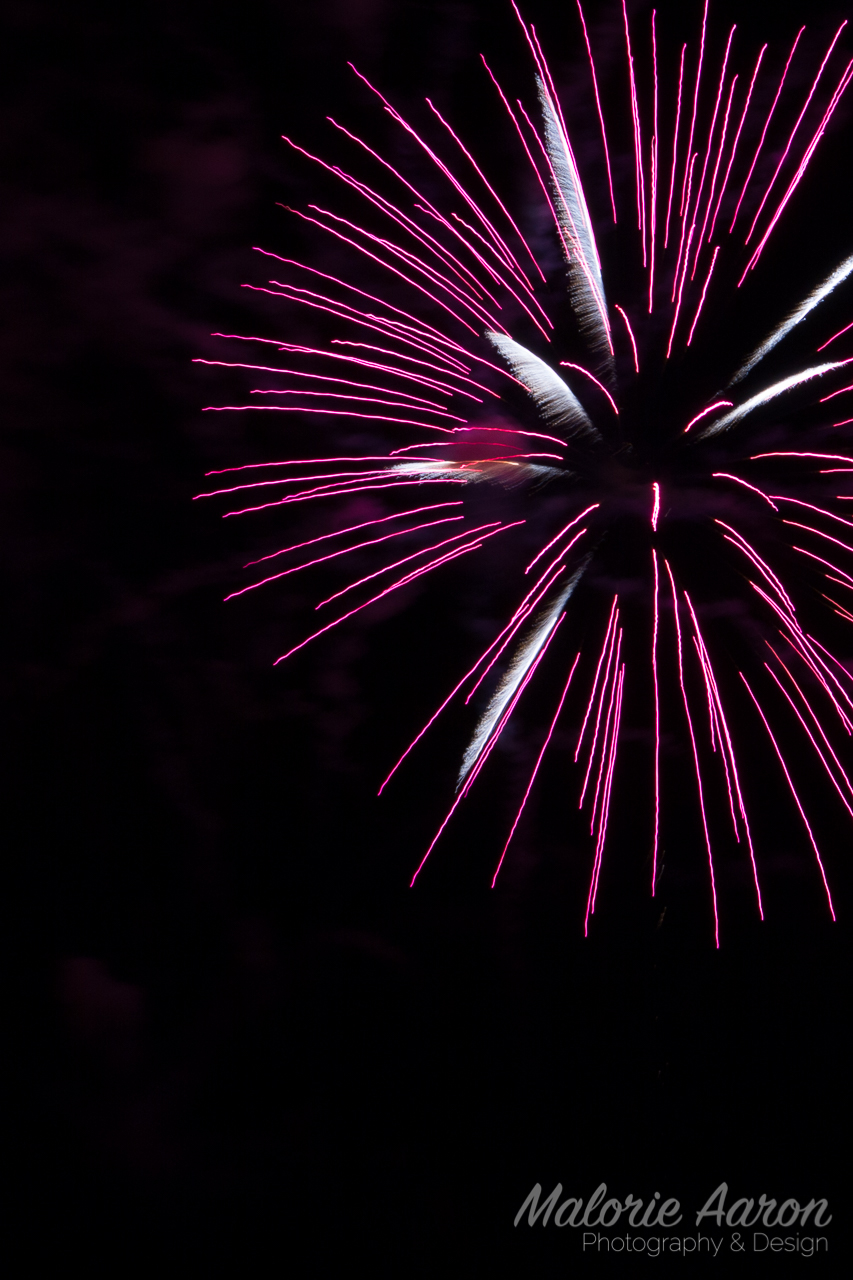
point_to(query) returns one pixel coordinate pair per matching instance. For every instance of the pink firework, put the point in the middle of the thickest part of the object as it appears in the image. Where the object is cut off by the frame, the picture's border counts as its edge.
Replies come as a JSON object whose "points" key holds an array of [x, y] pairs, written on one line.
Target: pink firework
{"points": [[659, 491]]}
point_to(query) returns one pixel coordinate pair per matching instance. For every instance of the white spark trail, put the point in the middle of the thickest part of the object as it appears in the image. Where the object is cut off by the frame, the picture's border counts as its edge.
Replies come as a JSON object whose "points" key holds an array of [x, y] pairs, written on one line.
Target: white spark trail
{"points": [[769, 393], [799, 314], [554, 399]]}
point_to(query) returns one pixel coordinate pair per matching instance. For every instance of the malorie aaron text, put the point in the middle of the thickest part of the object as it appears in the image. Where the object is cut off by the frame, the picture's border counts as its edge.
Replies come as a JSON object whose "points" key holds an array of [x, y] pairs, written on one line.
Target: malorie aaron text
{"points": [[602, 1212]]}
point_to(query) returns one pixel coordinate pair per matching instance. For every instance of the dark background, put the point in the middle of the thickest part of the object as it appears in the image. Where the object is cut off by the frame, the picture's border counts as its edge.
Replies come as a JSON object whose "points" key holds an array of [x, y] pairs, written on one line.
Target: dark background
{"points": [[233, 1022]]}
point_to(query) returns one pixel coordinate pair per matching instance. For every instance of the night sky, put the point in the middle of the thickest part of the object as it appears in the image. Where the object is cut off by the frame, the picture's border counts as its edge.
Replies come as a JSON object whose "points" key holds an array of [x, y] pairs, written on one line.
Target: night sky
{"points": [[234, 1024]]}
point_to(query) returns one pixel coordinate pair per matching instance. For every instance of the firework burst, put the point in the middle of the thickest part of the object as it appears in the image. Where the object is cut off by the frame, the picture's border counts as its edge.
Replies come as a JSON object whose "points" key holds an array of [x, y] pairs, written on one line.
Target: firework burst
{"points": [[669, 523]]}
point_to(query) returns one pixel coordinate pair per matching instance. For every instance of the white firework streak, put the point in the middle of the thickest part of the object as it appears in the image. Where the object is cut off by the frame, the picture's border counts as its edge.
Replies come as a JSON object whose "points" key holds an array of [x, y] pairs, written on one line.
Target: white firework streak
{"points": [[507, 472], [578, 239], [521, 663], [797, 315], [554, 399], [769, 393]]}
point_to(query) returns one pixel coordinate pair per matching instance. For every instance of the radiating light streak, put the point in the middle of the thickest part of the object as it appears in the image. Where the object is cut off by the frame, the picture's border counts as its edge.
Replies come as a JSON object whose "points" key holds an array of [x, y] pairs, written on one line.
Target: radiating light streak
{"points": [[654, 167], [607, 746], [505, 715], [600, 113], [518, 671], [473, 444], [592, 507], [655, 506], [453, 555], [343, 311], [804, 647], [384, 325], [312, 462], [611, 666], [457, 369], [353, 528], [477, 534], [576, 229], [602, 831], [828, 564], [631, 336], [839, 609], [715, 731], [331, 413], [425, 380], [701, 186], [554, 214], [567, 364], [735, 143], [427, 206], [810, 645], [684, 190], [381, 262], [458, 187], [407, 375], [833, 659], [613, 619], [516, 623], [695, 753], [414, 401], [726, 745], [779, 497], [815, 718], [656, 688], [399, 533], [339, 395], [514, 431], [419, 195], [684, 226], [793, 453], [764, 130], [799, 314], [680, 290], [712, 191], [530, 601], [553, 397], [548, 737], [837, 335], [833, 394], [638, 139], [844, 423], [793, 793], [806, 656], [795, 181], [794, 130], [326, 475], [433, 246], [400, 355], [425, 331], [435, 277], [770, 393], [478, 755], [495, 196], [337, 493], [605, 737], [674, 147], [487, 750], [704, 292], [523, 140], [466, 463], [738, 540], [724, 475]]}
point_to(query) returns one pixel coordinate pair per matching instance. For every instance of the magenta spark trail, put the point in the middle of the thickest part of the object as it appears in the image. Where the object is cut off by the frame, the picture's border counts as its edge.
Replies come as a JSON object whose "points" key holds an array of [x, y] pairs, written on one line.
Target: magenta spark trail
{"points": [[648, 571]]}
